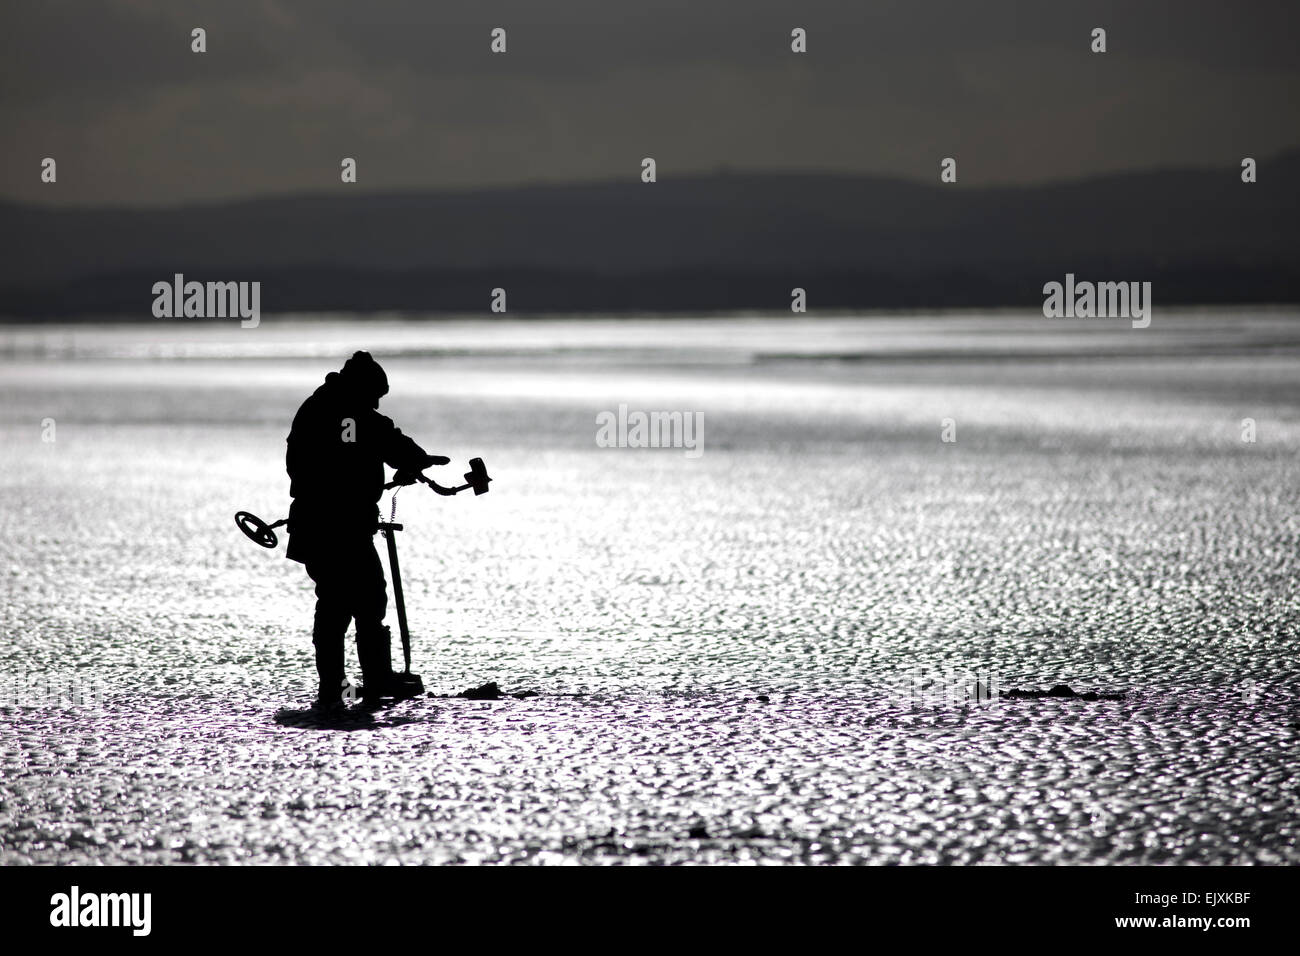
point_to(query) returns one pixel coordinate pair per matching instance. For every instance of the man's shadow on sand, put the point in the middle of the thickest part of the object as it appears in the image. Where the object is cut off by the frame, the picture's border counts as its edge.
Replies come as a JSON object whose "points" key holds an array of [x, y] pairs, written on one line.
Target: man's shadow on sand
{"points": [[377, 718], [355, 718], [367, 718]]}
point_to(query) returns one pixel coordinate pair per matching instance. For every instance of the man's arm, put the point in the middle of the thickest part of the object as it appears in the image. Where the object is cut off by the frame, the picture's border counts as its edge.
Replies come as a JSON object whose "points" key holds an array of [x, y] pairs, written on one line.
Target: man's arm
{"points": [[402, 453]]}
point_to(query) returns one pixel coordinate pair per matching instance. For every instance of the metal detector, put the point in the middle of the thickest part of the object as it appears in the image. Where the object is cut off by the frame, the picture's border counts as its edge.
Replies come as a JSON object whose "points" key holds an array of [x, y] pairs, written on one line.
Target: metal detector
{"points": [[476, 479]]}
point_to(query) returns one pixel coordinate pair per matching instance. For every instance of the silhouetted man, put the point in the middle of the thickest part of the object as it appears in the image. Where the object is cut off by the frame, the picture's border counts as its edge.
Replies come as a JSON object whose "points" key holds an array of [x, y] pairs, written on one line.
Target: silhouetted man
{"points": [[338, 447]]}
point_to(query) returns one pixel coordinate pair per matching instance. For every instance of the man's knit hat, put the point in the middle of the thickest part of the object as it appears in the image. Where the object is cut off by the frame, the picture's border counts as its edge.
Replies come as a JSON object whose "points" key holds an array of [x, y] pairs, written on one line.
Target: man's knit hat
{"points": [[363, 372]]}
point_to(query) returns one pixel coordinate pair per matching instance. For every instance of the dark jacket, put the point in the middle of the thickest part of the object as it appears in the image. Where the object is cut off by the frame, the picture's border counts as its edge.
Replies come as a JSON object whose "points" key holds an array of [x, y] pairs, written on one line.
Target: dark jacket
{"points": [[337, 449]]}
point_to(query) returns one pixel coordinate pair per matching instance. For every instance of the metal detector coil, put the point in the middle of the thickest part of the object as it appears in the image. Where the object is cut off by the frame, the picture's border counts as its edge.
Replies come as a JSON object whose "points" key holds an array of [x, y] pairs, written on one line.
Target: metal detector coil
{"points": [[258, 531]]}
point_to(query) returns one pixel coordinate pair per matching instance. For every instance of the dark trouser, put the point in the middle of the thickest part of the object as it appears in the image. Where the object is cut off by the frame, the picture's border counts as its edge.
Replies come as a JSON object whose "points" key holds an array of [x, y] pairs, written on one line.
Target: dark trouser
{"points": [[350, 586]]}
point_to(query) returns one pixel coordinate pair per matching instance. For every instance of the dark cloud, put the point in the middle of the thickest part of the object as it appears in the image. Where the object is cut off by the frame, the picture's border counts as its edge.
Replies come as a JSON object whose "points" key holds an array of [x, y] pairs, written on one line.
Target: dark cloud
{"points": [[590, 86]]}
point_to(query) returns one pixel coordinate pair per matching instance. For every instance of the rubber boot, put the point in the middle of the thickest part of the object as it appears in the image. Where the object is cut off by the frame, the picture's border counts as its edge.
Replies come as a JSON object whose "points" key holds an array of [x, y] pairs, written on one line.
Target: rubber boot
{"points": [[329, 665], [374, 648], [329, 703]]}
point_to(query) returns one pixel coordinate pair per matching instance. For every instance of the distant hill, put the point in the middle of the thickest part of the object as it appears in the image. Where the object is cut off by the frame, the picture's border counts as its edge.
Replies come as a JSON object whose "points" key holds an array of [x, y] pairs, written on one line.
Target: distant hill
{"points": [[723, 241]]}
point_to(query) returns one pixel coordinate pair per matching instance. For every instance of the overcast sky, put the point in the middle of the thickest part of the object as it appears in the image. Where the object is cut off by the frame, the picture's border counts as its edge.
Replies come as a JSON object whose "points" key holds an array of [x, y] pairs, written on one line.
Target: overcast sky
{"points": [[110, 89]]}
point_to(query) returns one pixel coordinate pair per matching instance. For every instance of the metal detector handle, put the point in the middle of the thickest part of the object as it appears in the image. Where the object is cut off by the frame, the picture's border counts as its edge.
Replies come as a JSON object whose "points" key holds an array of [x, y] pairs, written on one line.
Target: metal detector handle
{"points": [[445, 492], [428, 481], [476, 478]]}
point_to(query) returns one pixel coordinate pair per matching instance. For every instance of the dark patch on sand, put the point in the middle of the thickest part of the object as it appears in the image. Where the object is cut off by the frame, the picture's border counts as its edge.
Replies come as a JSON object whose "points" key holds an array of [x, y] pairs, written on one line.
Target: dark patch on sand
{"points": [[1062, 691], [488, 691]]}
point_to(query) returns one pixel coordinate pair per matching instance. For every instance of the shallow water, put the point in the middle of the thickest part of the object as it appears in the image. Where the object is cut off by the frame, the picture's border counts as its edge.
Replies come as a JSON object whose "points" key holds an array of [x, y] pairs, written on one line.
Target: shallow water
{"points": [[1097, 522]]}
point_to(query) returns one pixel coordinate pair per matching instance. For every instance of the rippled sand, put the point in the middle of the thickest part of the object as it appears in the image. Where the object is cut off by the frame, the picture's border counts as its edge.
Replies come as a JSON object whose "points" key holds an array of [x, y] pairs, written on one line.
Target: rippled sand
{"points": [[1097, 522]]}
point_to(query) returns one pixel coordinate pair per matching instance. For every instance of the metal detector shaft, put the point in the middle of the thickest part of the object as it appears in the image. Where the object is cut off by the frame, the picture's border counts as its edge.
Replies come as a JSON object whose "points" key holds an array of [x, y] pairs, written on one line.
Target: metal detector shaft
{"points": [[390, 530]]}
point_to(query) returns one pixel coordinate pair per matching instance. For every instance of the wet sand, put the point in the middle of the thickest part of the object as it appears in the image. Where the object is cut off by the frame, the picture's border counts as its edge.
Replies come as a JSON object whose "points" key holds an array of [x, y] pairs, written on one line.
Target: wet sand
{"points": [[727, 646]]}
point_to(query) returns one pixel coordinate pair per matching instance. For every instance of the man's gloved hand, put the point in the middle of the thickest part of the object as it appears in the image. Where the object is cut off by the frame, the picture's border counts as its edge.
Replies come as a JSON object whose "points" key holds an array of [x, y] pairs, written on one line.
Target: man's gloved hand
{"points": [[409, 476]]}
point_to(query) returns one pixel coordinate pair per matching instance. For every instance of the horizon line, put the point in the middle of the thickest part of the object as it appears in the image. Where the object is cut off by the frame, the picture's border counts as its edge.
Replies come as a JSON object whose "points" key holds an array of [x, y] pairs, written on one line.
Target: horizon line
{"points": [[720, 171]]}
